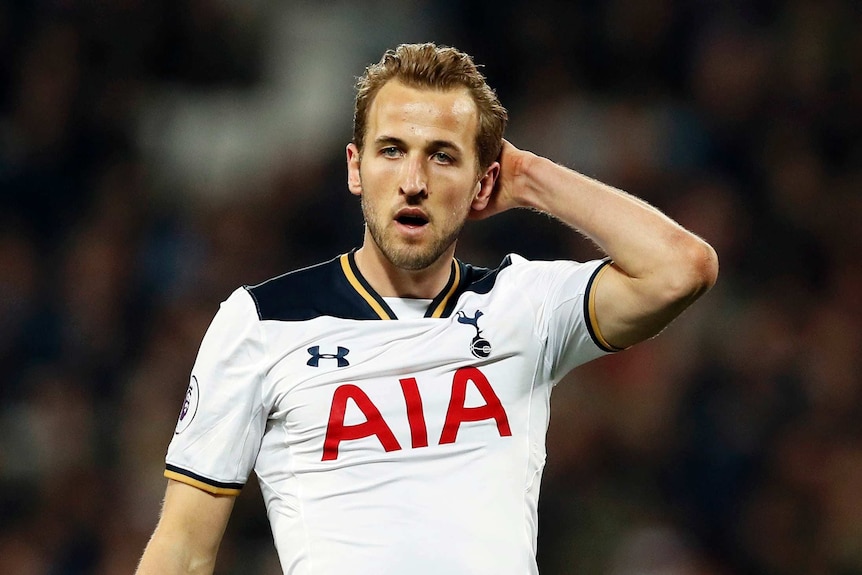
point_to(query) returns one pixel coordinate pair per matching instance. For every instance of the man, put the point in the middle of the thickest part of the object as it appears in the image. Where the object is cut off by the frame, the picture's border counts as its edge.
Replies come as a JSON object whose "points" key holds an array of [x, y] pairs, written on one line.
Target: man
{"points": [[393, 402]]}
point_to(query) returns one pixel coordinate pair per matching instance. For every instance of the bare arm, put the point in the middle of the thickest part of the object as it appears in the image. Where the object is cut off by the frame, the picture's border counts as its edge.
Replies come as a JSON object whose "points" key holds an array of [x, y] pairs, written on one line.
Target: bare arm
{"points": [[659, 268], [189, 532]]}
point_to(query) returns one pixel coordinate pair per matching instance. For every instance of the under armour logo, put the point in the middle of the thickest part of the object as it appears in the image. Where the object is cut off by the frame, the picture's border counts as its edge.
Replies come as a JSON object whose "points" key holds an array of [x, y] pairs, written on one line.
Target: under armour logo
{"points": [[480, 347], [316, 356]]}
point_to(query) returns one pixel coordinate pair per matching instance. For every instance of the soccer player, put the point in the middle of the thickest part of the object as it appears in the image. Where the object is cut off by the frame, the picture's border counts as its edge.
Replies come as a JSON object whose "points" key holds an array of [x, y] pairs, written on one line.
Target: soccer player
{"points": [[393, 401]]}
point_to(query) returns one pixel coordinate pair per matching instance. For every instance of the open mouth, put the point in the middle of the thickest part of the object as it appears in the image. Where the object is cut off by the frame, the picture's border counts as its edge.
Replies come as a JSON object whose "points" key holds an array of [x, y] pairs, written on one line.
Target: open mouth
{"points": [[413, 220]]}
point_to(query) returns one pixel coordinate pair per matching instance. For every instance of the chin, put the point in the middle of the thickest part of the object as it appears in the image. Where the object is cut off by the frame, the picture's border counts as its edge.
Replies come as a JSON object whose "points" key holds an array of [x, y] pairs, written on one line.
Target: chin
{"points": [[413, 257], [411, 261]]}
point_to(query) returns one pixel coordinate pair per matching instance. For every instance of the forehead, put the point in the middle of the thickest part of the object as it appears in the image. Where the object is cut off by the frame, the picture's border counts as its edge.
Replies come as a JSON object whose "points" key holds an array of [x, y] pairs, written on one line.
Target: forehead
{"points": [[423, 113]]}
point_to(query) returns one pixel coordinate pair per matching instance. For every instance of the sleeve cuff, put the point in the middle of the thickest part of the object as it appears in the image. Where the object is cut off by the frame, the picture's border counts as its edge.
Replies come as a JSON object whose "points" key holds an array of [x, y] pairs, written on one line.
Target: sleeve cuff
{"points": [[203, 483], [590, 311]]}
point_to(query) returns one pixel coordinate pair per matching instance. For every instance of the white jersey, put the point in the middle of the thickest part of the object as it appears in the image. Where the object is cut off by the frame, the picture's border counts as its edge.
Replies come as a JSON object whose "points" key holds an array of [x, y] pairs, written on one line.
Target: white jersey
{"points": [[389, 447]]}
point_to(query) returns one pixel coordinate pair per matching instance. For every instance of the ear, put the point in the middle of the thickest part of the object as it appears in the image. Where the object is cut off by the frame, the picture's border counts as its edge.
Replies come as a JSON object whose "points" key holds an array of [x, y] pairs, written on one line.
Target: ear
{"points": [[354, 180], [485, 187]]}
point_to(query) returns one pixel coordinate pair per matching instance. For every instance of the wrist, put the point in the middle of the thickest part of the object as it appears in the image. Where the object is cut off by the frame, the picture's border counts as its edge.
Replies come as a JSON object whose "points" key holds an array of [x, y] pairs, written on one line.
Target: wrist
{"points": [[528, 175]]}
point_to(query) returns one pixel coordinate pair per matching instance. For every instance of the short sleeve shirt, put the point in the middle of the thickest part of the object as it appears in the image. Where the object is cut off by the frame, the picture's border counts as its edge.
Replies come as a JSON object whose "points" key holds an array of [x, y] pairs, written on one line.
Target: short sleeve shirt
{"points": [[386, 445]]}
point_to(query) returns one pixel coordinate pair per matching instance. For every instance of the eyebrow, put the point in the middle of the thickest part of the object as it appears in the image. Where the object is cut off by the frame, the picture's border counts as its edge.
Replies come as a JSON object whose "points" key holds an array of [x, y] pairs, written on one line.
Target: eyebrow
{"points": [[432, 145], [388, 140]]}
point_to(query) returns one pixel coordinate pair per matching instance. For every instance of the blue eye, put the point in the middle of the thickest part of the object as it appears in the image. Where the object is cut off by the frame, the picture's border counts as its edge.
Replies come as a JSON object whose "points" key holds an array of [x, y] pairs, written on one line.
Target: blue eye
{"points": [[390, 152], [442, 157]]}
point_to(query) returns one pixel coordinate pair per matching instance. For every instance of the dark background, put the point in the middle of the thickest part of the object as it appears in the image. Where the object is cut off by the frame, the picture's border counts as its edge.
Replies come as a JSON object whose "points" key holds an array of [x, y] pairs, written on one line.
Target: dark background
{"points": [[154, 155]]}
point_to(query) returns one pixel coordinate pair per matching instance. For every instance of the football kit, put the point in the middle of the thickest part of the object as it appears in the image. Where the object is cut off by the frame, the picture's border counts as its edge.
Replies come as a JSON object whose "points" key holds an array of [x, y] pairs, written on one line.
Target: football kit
{"points": [[387, 445]]}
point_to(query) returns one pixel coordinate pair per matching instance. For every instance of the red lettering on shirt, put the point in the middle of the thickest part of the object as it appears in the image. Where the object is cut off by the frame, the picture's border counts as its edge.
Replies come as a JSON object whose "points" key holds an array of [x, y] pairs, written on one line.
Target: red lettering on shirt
{"points": [[415, 415], [458, 413], [374, 424]]}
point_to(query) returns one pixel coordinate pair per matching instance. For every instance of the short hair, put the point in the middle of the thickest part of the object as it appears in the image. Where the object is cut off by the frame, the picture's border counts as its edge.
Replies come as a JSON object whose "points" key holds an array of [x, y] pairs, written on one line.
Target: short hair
{"points": [[440, 68]]}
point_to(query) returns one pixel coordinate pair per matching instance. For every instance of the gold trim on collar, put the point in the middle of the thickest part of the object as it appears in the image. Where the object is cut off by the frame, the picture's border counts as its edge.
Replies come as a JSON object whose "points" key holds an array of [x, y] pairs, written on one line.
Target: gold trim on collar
{"points": [[438, 311], [360, 289]]}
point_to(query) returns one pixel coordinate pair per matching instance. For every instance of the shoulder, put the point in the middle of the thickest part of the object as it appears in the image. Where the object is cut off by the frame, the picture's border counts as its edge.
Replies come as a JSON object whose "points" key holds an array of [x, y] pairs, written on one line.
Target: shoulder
{"points": [[479, 279], [294, 295], [516, 268], [324, 289], [538, 280], [513, 269]]}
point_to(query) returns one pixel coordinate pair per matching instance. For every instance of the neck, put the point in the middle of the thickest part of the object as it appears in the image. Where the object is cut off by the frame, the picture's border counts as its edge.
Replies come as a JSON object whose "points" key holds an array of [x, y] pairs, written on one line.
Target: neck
{"points": [[389, 280]]}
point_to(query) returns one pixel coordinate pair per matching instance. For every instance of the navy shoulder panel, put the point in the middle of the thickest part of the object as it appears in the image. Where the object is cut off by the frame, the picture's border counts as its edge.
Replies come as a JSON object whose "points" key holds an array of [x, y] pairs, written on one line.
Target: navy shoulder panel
{"points": [[476, 279], [482, 280], [319, 290]]}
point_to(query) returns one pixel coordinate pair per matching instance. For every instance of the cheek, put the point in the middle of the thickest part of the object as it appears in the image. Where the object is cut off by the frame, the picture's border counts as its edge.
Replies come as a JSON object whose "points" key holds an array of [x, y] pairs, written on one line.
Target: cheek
{"points": [[379, 177], [454, 184], [461, 202]]}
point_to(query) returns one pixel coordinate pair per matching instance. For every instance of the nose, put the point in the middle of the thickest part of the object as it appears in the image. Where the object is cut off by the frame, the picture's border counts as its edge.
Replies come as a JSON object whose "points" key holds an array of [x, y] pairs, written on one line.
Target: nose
{"points": [[414, 178]]}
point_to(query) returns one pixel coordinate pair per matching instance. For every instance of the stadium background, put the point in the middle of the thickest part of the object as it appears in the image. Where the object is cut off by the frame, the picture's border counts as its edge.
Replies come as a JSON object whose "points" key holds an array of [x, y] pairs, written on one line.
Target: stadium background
{"points": [[155, 155]]}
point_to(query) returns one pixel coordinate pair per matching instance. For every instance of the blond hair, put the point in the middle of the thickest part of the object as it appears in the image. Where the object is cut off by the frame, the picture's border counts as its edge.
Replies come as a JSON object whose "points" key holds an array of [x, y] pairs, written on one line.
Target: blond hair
{"points": [[440, 68]]}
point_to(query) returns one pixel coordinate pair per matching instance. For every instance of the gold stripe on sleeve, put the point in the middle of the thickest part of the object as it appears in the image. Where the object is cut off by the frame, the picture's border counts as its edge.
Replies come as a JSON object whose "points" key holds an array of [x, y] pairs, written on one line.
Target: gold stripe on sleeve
{"points": [[592, 308], [201, 484]]}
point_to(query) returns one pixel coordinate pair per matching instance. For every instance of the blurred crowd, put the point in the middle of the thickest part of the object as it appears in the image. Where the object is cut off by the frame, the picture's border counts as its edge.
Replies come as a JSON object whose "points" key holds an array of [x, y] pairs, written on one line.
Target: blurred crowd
{"points": [[156, 155]]}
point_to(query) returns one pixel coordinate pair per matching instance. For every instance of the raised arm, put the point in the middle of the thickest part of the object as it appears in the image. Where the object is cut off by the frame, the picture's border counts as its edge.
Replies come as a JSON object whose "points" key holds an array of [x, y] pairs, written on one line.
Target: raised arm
{"points": [[659, 268], [189, 532]]}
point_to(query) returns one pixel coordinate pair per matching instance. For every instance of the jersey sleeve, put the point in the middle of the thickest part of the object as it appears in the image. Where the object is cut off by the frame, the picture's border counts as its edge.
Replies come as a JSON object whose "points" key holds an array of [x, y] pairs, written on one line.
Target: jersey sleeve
{"points": [[565, 312], [221, 423]]}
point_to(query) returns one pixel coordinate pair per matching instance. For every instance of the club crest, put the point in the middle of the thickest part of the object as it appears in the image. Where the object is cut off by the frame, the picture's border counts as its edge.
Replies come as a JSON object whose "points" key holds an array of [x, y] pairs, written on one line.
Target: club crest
{"points": [[480, 347]]}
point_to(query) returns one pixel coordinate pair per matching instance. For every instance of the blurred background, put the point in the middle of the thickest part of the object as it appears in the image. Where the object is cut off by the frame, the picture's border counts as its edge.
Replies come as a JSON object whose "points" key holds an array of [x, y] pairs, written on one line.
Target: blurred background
{"points": [[155, 155]]}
